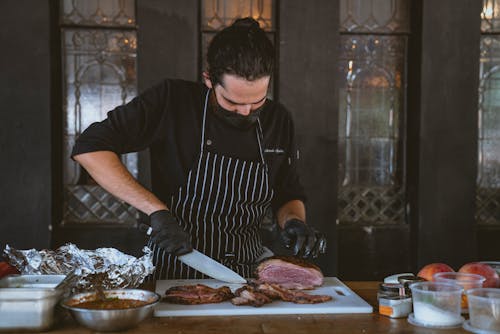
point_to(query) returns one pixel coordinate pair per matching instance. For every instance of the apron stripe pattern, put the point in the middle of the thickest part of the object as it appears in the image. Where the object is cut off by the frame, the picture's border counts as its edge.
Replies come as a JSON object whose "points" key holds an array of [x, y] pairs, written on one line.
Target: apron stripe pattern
{"points": [[221, 205]]}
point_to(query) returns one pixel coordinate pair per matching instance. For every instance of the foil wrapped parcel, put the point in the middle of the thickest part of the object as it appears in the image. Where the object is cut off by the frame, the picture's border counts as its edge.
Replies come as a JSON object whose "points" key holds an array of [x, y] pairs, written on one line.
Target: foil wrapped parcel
{"points": [[103, 268]]}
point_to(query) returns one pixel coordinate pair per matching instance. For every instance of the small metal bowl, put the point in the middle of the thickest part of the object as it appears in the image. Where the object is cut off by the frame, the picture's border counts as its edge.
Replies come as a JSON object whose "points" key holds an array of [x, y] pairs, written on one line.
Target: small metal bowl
{"points": [[112, 319]]}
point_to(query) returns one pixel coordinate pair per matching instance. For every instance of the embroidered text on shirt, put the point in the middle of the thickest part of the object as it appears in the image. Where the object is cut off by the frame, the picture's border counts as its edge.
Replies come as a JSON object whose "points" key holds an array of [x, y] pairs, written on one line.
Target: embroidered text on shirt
{"points": [[274, 150]]}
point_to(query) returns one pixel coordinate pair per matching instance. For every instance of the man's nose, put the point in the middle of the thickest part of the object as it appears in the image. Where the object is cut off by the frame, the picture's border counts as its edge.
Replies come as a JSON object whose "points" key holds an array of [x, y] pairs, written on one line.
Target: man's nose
{"points": [[244, 109]]}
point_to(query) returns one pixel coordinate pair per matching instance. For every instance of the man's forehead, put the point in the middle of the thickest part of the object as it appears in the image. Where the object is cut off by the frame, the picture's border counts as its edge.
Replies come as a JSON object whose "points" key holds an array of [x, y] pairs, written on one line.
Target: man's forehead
{"points": [[241, 91]]}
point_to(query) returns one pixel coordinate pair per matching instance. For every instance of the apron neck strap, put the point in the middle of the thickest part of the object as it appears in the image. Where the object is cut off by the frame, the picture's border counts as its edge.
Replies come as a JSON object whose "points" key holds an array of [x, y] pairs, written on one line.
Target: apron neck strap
{"points": [[204, 120], [260, 137]]}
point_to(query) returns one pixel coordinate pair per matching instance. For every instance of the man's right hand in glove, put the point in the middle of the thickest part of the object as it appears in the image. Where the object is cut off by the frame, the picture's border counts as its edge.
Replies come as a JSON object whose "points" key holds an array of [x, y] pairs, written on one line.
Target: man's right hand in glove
{"points": [[167, 233]]}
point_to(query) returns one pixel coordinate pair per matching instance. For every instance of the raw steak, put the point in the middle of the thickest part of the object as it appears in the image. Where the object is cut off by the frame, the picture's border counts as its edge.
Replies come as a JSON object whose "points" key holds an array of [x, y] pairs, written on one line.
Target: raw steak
{"points": [[289, 272]]}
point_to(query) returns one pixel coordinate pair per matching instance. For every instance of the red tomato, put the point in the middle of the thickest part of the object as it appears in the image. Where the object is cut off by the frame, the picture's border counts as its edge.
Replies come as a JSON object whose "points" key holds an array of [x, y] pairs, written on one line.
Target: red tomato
{"points": [[7, 269]]}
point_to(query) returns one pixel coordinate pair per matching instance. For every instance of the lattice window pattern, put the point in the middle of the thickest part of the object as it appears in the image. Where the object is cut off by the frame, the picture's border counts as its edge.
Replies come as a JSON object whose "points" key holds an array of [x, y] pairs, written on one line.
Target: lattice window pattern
{"points": [[375, 16], [109, 13]]}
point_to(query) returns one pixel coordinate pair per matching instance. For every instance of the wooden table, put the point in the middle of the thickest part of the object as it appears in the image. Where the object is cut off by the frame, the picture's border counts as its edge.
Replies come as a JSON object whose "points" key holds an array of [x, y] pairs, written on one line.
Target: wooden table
{"points": [[279, 324]]}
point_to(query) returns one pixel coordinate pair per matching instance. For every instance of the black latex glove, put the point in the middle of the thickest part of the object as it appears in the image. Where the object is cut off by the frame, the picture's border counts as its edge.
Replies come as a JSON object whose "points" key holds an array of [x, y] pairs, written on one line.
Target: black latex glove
{"points": [[305, 240], [166, 233]]}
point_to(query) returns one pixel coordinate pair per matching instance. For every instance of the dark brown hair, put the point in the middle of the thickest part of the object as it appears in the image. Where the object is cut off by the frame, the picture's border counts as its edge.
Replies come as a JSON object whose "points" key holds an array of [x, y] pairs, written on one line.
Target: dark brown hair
{"points": [[242, 49]]}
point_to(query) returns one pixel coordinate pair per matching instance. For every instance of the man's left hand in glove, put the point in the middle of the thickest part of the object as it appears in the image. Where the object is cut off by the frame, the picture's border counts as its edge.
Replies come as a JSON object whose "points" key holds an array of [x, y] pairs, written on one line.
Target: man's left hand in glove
{"points": [[305, 240]]}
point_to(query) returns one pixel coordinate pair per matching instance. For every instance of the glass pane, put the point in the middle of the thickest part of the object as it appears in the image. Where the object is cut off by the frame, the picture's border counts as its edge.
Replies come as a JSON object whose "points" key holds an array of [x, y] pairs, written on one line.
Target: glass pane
{"points": [[99, 74], [371, 113], [98, 12], [490, 16], [371, 105], [488, 178], [374, 16], [217, 14]]}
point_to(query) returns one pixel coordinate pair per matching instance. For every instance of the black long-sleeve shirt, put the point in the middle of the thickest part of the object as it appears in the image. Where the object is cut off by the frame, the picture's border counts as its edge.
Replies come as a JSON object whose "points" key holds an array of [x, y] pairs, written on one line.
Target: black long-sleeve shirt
{"points": [[167, 119]]}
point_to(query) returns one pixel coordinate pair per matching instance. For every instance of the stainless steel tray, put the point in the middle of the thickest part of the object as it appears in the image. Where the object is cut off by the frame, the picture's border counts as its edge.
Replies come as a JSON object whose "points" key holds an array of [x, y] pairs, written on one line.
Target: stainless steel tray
{"points": [[28, 302]]}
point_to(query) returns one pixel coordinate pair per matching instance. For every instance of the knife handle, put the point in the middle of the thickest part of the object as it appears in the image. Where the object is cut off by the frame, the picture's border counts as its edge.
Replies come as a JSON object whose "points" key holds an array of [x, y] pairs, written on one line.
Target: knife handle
{"points": [[145, 228]]}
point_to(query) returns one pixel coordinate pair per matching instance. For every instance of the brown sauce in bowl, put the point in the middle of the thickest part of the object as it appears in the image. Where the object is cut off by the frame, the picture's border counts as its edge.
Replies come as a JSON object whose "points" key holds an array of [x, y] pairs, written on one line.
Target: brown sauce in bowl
{"points": [[110, 304]]}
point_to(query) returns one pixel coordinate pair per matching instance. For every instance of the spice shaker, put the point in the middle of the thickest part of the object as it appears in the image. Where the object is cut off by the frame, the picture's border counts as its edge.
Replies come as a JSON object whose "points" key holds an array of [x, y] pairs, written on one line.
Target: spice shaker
{"points": [[394, 300]]}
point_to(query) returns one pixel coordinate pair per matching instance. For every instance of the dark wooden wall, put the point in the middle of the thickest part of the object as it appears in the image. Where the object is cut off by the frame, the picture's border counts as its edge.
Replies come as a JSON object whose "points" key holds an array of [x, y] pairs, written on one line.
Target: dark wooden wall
{"points": [[308, 39], [447, 151], [167, 40], [25, 124]]}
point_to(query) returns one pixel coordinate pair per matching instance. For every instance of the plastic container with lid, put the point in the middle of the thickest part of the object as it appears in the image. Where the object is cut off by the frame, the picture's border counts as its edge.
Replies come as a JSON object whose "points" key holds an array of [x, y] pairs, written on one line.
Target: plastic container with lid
{"points": [[484, 310], [28, 302], [465, 280], [394, 300], [436, 305]]}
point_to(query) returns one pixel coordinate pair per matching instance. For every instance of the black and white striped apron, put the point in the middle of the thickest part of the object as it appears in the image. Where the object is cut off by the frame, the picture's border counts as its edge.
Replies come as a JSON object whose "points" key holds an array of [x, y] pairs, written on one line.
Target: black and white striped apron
{"points": [[221, 205]]}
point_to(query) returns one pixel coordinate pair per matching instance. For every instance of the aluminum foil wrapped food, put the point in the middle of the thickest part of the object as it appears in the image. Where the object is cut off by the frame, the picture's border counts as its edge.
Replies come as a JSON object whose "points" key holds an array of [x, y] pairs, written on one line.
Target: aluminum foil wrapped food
{"points": [[103, 268]]}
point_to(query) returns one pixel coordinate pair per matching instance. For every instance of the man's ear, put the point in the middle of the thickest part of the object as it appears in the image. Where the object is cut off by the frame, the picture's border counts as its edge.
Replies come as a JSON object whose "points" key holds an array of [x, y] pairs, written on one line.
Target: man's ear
{"points": [[206, 79]]}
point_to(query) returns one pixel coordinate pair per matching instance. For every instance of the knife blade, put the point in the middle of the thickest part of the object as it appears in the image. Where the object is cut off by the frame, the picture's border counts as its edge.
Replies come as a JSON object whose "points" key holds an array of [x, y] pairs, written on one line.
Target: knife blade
{"points": [[210, 267]]}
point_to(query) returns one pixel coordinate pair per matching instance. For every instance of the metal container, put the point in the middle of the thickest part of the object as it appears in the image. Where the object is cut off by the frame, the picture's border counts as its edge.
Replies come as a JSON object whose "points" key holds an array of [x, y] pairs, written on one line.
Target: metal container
{"points": [[112, 319], [27, 302]]}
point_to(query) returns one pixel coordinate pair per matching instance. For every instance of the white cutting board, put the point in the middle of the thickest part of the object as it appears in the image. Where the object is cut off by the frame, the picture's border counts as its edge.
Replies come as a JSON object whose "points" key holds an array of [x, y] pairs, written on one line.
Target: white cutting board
{"points": [[344, 301]]}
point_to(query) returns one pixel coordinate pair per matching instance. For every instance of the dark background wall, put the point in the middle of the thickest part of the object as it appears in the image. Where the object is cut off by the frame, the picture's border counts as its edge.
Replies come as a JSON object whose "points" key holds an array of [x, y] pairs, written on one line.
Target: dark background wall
{"points": [[307, 88], [447, 153], [25, 124], [442, 127], [167, 40]]}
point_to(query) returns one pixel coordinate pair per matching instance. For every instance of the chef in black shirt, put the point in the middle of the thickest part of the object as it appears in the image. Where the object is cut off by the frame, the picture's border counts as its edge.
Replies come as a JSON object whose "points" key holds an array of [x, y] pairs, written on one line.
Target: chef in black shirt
{"points": [[221, 154]]}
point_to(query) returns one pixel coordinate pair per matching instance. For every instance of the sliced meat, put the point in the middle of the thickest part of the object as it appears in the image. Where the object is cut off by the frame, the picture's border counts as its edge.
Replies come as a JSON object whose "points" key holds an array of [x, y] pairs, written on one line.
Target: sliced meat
{"points": [[197, 294], [260, 294], [289, 272], [294, 296], [249, 295]]}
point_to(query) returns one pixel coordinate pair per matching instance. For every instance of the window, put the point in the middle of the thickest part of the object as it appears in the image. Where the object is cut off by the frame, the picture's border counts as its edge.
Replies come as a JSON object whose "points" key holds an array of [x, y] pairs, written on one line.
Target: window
{"points": [[99, 73], [372, 67], [488, 177]]}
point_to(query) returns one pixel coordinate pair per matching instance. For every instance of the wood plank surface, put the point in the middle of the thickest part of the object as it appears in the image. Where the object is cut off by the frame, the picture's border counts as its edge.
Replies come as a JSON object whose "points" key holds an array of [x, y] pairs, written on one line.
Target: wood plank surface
{"points": [[277, 324]]}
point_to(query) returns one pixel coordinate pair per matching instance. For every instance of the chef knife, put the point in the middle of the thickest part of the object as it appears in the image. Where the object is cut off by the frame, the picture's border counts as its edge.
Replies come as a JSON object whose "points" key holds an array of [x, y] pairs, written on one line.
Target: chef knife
{"points": [[205, 264], [210, 267]]}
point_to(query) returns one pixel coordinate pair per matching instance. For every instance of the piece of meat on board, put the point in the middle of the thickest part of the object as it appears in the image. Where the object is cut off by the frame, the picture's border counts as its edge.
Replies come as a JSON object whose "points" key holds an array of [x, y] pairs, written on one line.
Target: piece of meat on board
{"points": [[298, 297], [289, 272], [260, 294], [249, 295], [197, 294]]}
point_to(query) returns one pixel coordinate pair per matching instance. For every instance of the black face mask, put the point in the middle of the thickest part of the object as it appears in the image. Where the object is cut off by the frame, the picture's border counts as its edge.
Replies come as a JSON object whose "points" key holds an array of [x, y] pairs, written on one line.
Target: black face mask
{"points": [[238, 121]]}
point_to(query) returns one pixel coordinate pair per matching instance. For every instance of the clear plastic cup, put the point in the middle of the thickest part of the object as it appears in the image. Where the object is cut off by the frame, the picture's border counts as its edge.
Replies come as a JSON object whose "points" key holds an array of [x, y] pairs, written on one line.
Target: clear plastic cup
{"points": [[436, 304], [484, 310], [465, 280]]}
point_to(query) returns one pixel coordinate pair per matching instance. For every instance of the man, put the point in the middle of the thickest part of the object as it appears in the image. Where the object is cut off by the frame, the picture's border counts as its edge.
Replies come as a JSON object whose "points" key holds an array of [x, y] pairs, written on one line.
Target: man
{"points": [[221, 154]]}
